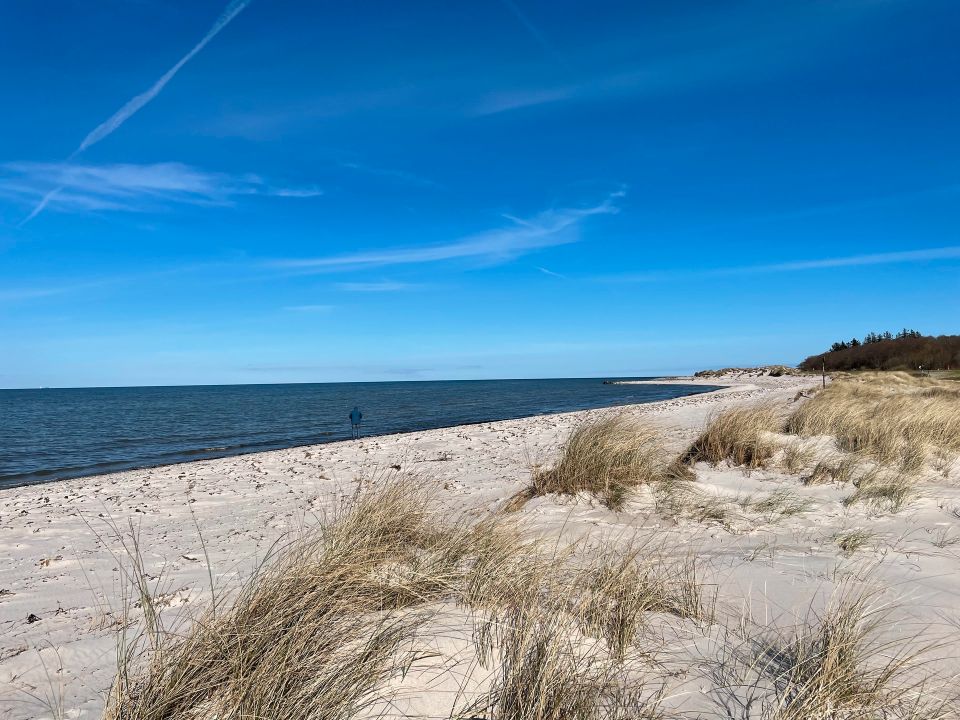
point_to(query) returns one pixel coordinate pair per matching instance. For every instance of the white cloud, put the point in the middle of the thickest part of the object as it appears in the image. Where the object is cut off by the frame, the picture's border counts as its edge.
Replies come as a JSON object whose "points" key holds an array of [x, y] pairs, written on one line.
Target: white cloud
{"points": [[547, 229], [71, 187]]}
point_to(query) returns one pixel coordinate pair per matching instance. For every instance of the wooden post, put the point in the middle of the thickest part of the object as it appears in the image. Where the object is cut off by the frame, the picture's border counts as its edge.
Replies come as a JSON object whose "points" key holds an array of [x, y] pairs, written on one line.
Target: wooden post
{"points": [[823, 371]]}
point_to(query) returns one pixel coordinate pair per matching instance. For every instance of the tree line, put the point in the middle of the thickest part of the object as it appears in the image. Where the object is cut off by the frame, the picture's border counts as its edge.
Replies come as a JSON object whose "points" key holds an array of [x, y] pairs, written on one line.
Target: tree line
{"points": [[873, 337], [905, 350]]}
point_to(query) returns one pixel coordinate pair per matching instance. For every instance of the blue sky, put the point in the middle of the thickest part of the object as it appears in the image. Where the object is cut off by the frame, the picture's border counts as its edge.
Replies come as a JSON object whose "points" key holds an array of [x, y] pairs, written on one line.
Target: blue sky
{"points": [[279, 191]]}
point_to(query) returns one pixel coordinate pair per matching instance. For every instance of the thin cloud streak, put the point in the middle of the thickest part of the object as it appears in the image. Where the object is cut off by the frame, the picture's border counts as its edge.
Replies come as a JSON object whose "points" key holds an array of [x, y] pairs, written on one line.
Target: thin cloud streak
{"points": [[535, 33], [134, 105], [947, 253], [400, 175], [889, 258], [130, 187], [375, 287], [551, 273], [716, 52], [315, 309], [554, 227]]}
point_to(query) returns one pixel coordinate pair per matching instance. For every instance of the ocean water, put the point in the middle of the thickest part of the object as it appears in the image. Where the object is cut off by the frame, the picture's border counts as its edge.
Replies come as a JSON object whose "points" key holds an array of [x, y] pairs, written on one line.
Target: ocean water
{"points": [[51, 434]]}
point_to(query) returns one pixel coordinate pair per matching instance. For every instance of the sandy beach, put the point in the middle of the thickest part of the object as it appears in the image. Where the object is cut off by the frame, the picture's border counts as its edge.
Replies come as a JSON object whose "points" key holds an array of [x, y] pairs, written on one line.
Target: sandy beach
{"points": [[62, 587]]}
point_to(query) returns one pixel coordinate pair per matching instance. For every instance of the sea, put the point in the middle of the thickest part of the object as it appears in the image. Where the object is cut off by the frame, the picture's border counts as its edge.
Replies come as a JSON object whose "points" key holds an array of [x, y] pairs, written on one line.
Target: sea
{"points": [[52, 434]]}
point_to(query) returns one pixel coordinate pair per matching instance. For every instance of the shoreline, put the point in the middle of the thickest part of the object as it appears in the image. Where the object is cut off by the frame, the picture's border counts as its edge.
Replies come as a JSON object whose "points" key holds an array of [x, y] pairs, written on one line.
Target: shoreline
{"points": [[64, 540], [202, 454]]}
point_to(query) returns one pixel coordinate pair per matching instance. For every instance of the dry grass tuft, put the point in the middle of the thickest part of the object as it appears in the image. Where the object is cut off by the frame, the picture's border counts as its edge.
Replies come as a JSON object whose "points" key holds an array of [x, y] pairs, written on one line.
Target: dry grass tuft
{"points": [[893, 418], [852, 540], [543, 671], [796, 457], [740, 435], [835, 668], [606, 457], [314, 634], [685, 500], [332, 620], [780, 504], [883, 491], [620, 586], [842, 471]]}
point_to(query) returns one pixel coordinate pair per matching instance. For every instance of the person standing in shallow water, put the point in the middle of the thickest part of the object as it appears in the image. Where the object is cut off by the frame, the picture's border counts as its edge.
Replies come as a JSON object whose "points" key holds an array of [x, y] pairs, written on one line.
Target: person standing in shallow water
{"points": [[355, 417]]}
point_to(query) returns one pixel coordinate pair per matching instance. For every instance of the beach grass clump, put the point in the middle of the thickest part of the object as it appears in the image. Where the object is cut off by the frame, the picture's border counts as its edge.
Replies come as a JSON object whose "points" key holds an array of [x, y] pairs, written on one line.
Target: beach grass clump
{"points": [[608, 458], [780, 504], [621, 586], [331, 622], [796, 457], [684, 500], [542, 670], [835, 667], [741, 435], [889, 492], [850, 541], [841, 470], [892, 418], [316, 631]]}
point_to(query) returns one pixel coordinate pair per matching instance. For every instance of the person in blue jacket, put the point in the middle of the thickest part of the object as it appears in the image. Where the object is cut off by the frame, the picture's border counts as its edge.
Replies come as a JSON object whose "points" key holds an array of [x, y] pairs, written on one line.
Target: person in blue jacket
{"points": [[355, 417]]}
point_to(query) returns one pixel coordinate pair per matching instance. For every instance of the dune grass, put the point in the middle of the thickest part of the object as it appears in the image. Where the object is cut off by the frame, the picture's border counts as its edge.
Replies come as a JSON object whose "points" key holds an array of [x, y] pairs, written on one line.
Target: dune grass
{"points": [[620, 586], [852, 540], [607, 457], [740, 435], [543, 671], [883, 491], [796, 457], [314, 632], [325, 626], [779, 504], [835, 667], [892, 418]]}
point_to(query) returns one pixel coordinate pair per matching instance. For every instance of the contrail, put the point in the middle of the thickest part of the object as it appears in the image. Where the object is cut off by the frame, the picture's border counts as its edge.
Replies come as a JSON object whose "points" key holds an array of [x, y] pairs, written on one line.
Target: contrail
{"points": [[135, 104], [124, 113], [535, 33]]}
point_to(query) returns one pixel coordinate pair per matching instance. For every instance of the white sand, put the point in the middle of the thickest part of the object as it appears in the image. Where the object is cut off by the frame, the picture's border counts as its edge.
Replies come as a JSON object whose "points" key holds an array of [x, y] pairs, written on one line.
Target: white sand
{"points": [[62, 558]]}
